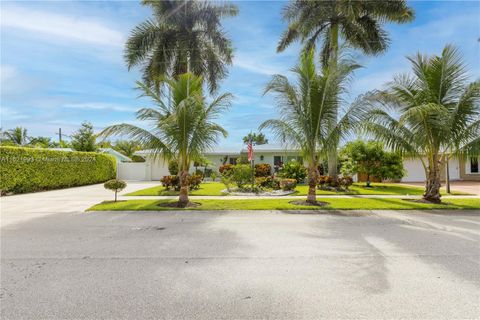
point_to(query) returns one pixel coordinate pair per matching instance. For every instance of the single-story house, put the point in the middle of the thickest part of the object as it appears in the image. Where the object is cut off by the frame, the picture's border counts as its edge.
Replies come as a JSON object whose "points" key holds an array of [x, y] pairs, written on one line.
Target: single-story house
{"points": [[117, 155], [155, 167]]}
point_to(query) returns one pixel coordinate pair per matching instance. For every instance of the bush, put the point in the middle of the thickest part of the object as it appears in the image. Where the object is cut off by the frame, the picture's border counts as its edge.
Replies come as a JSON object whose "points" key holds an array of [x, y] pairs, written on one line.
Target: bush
{"points": [[268, 182], [213, 175], [346, 182], [263, 170], [288, 184], [294, 170], [227, 181], [194, 181], [242, 160], [242, 175], [115, 185], [171, 182], [29, 169], [173, 168], [226, 169]]}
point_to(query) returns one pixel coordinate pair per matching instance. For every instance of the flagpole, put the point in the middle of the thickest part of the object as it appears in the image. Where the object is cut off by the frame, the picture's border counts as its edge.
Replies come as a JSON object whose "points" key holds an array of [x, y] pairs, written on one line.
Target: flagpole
{"points": [[251, 162]]}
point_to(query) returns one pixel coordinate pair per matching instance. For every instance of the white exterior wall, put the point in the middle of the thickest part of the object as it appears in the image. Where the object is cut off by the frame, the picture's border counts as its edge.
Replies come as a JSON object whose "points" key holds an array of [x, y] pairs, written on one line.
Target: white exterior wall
{"points": [[132, 171], [158, 168], [414, 171]]}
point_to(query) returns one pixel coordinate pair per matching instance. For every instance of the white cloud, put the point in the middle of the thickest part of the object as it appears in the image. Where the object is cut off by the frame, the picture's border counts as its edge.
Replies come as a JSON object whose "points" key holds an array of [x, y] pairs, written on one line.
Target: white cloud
{"points": [[100, 106], [70, 27], [8, 114]]}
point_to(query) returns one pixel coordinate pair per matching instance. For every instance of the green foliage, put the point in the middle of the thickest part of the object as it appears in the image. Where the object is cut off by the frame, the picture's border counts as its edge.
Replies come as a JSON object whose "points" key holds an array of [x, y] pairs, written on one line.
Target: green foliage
{"points": [[182, 36], [242, 160], [115, 185], [126, 147], [28, 169], [370, 158], [263, 170], [227, 181], [84, 138], [194, 181], [16, 136], [173, 168], [267, 182], [288, 184], [171, 182], [136, 158], [242, 175], [213, 175], [256, 138], [293, 170]]}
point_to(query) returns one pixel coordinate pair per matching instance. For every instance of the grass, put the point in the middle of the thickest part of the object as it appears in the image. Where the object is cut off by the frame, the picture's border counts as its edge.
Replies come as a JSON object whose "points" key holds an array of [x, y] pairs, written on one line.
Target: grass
{"points": [[284, 204], [215, 189], [206, 189]]}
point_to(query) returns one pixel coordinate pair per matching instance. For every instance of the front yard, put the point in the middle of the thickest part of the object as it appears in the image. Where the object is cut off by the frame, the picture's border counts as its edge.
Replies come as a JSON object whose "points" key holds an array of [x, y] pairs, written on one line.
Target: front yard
{"points": [[215, 189], [284, 204]]}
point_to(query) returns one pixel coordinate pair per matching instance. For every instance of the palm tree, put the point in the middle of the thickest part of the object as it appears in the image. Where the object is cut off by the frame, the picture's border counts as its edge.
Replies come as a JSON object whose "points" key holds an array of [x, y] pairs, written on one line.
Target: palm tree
{"points": [[183, 129], [127, 147], [183, 36], [438, 113], [17, 136], [307, 108], [358, 23]]}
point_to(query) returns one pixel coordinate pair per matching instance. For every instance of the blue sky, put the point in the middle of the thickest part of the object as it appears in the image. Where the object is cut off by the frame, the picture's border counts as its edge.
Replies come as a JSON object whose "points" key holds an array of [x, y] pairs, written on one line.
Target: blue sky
{"points": [[62, 61]]}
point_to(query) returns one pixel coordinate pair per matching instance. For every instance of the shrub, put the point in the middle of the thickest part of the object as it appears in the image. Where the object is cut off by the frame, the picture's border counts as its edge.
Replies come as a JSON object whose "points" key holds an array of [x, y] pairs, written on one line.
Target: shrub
{"points": [[242, 160], [346, 182], [226, 169], [194, 181], [136, 158], [294, 170], [213, 175], [288, 184], [227, 181], [242, 174], [29, 169], [171, 182], [268, 182], [263, 170], [173, 168], [115, 185]]}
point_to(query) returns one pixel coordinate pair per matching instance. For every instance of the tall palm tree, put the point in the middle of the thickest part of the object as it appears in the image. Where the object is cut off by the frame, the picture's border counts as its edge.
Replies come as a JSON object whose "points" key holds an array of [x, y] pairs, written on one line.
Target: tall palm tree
{"points": [[183, 36], [438, 113], [183, 129], [307, 108], [358, 23], [17, 136], [127, 147]]}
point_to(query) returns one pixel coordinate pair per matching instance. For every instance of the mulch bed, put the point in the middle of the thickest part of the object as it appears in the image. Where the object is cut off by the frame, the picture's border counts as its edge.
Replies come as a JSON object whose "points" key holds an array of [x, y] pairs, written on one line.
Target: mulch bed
{"points": [[306, 203], [176, 205]]}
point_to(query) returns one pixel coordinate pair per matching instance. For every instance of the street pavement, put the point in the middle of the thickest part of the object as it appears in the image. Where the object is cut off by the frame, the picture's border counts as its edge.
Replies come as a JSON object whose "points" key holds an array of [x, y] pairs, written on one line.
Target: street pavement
{"points": [[58, 262]]}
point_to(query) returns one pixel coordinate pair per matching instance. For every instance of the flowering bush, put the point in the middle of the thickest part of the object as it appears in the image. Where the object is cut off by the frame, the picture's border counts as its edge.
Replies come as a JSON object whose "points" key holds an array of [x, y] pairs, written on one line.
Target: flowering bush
{"points": [[288, 184], [263, 170], [194, 181]]}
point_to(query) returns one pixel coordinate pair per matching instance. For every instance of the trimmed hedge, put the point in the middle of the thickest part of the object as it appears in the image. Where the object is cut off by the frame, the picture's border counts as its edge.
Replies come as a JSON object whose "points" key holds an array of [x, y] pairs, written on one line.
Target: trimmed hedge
{"points": [[29, 170]]}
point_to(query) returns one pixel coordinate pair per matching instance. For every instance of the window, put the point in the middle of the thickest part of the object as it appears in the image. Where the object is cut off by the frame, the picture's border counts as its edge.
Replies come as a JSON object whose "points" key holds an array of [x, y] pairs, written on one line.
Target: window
{"points": [[277, 160], [233, 161], [474, 165]]}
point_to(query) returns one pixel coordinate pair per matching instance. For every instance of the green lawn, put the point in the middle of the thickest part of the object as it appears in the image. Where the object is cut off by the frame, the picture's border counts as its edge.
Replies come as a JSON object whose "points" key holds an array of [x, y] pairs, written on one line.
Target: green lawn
{"points": [[284, 204], [215, 188]]}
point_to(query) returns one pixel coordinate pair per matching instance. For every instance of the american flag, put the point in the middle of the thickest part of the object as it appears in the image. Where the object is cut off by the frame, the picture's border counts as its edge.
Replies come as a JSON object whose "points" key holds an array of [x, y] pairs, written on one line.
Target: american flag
{"points": [[250, 151]]}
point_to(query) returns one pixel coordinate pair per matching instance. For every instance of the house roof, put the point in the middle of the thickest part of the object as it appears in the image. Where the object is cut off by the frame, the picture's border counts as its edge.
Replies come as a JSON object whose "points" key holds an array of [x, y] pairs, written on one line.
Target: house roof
{"points": [[272, 148], [115, 153]]}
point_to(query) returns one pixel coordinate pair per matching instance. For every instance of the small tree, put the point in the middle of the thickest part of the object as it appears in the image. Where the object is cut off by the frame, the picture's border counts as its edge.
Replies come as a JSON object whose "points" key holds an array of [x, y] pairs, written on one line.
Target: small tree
{"points": [[369, 158], [256, 138], [115, 185], [84, 138]]}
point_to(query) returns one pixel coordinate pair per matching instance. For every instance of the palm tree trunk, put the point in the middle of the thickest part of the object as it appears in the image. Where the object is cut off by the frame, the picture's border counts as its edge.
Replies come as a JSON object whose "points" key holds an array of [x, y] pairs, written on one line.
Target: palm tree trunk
{"points": [[332, 153], [432, 187], [183, 195], [312, 183]]}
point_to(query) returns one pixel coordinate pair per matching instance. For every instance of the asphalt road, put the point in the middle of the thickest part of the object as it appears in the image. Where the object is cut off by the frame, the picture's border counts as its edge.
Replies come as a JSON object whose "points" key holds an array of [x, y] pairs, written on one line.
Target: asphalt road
{"points": [[241, 265]]}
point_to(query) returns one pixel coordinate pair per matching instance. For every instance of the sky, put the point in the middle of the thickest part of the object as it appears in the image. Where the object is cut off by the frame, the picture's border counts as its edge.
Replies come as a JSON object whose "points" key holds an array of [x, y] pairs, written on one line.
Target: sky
{"points": [[62, 61]]}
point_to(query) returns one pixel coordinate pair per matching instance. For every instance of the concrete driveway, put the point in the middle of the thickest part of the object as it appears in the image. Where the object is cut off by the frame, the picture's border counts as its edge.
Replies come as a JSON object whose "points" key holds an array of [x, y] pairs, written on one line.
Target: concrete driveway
{"points": [[67, 264], [471, 187]]}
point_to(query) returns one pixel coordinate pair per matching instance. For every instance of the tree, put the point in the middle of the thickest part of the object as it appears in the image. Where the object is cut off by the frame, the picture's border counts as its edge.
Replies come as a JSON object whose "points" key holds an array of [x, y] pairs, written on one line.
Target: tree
{"points": [[256, 138], [84, 138], [306, 108], [438, 113], [182, 129], [357, 23], [17, 136], [183, 36], [371, 159], [127, 147], [43, 142]]}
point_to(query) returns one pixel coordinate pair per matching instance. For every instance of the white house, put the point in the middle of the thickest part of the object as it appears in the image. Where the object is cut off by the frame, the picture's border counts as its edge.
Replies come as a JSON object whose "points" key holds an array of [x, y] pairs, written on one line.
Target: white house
{"points": [[155, 167]]}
